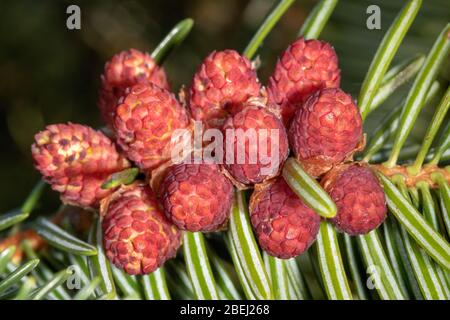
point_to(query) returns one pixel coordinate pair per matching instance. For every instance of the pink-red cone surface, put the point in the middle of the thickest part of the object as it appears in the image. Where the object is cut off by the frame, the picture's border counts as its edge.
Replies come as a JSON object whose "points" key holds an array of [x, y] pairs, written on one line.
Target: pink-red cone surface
{"points": [[325, 131], [75, 160], [124, 70], [223, 82], [145, 122], [139, 233], [359, 198], [137, 236], [305, 67], [196, 197], [284, 225], [253, 160]]}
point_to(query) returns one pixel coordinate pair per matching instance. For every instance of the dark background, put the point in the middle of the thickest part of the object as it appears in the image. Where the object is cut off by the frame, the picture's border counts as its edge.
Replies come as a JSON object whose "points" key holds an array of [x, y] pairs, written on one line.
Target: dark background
{"points": [[50, 74]]}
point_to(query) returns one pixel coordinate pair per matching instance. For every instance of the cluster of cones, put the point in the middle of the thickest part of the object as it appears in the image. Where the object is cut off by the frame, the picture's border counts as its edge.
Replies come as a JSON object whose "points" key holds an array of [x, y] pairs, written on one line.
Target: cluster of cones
{"points": [[142, 222]]}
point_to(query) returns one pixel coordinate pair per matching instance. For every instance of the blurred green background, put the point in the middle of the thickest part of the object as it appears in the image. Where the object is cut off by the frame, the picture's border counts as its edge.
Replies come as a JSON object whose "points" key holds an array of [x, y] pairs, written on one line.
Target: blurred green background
{"points": [[50, 74]]}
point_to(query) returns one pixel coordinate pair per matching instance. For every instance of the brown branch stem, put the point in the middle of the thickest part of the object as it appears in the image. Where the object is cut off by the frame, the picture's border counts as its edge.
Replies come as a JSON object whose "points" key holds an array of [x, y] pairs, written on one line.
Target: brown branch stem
{"points": [[425, 174]]}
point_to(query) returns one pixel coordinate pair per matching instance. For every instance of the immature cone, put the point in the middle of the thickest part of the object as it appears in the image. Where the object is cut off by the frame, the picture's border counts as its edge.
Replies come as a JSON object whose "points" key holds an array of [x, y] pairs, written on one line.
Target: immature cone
{"points": [[145, 121], [17, 239], [359, 198], [223, 82], [75, 160], [255, 145], [326, 131], [305, 67], [196, 197], [137, 237], [284, 225], [124, 70]]}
